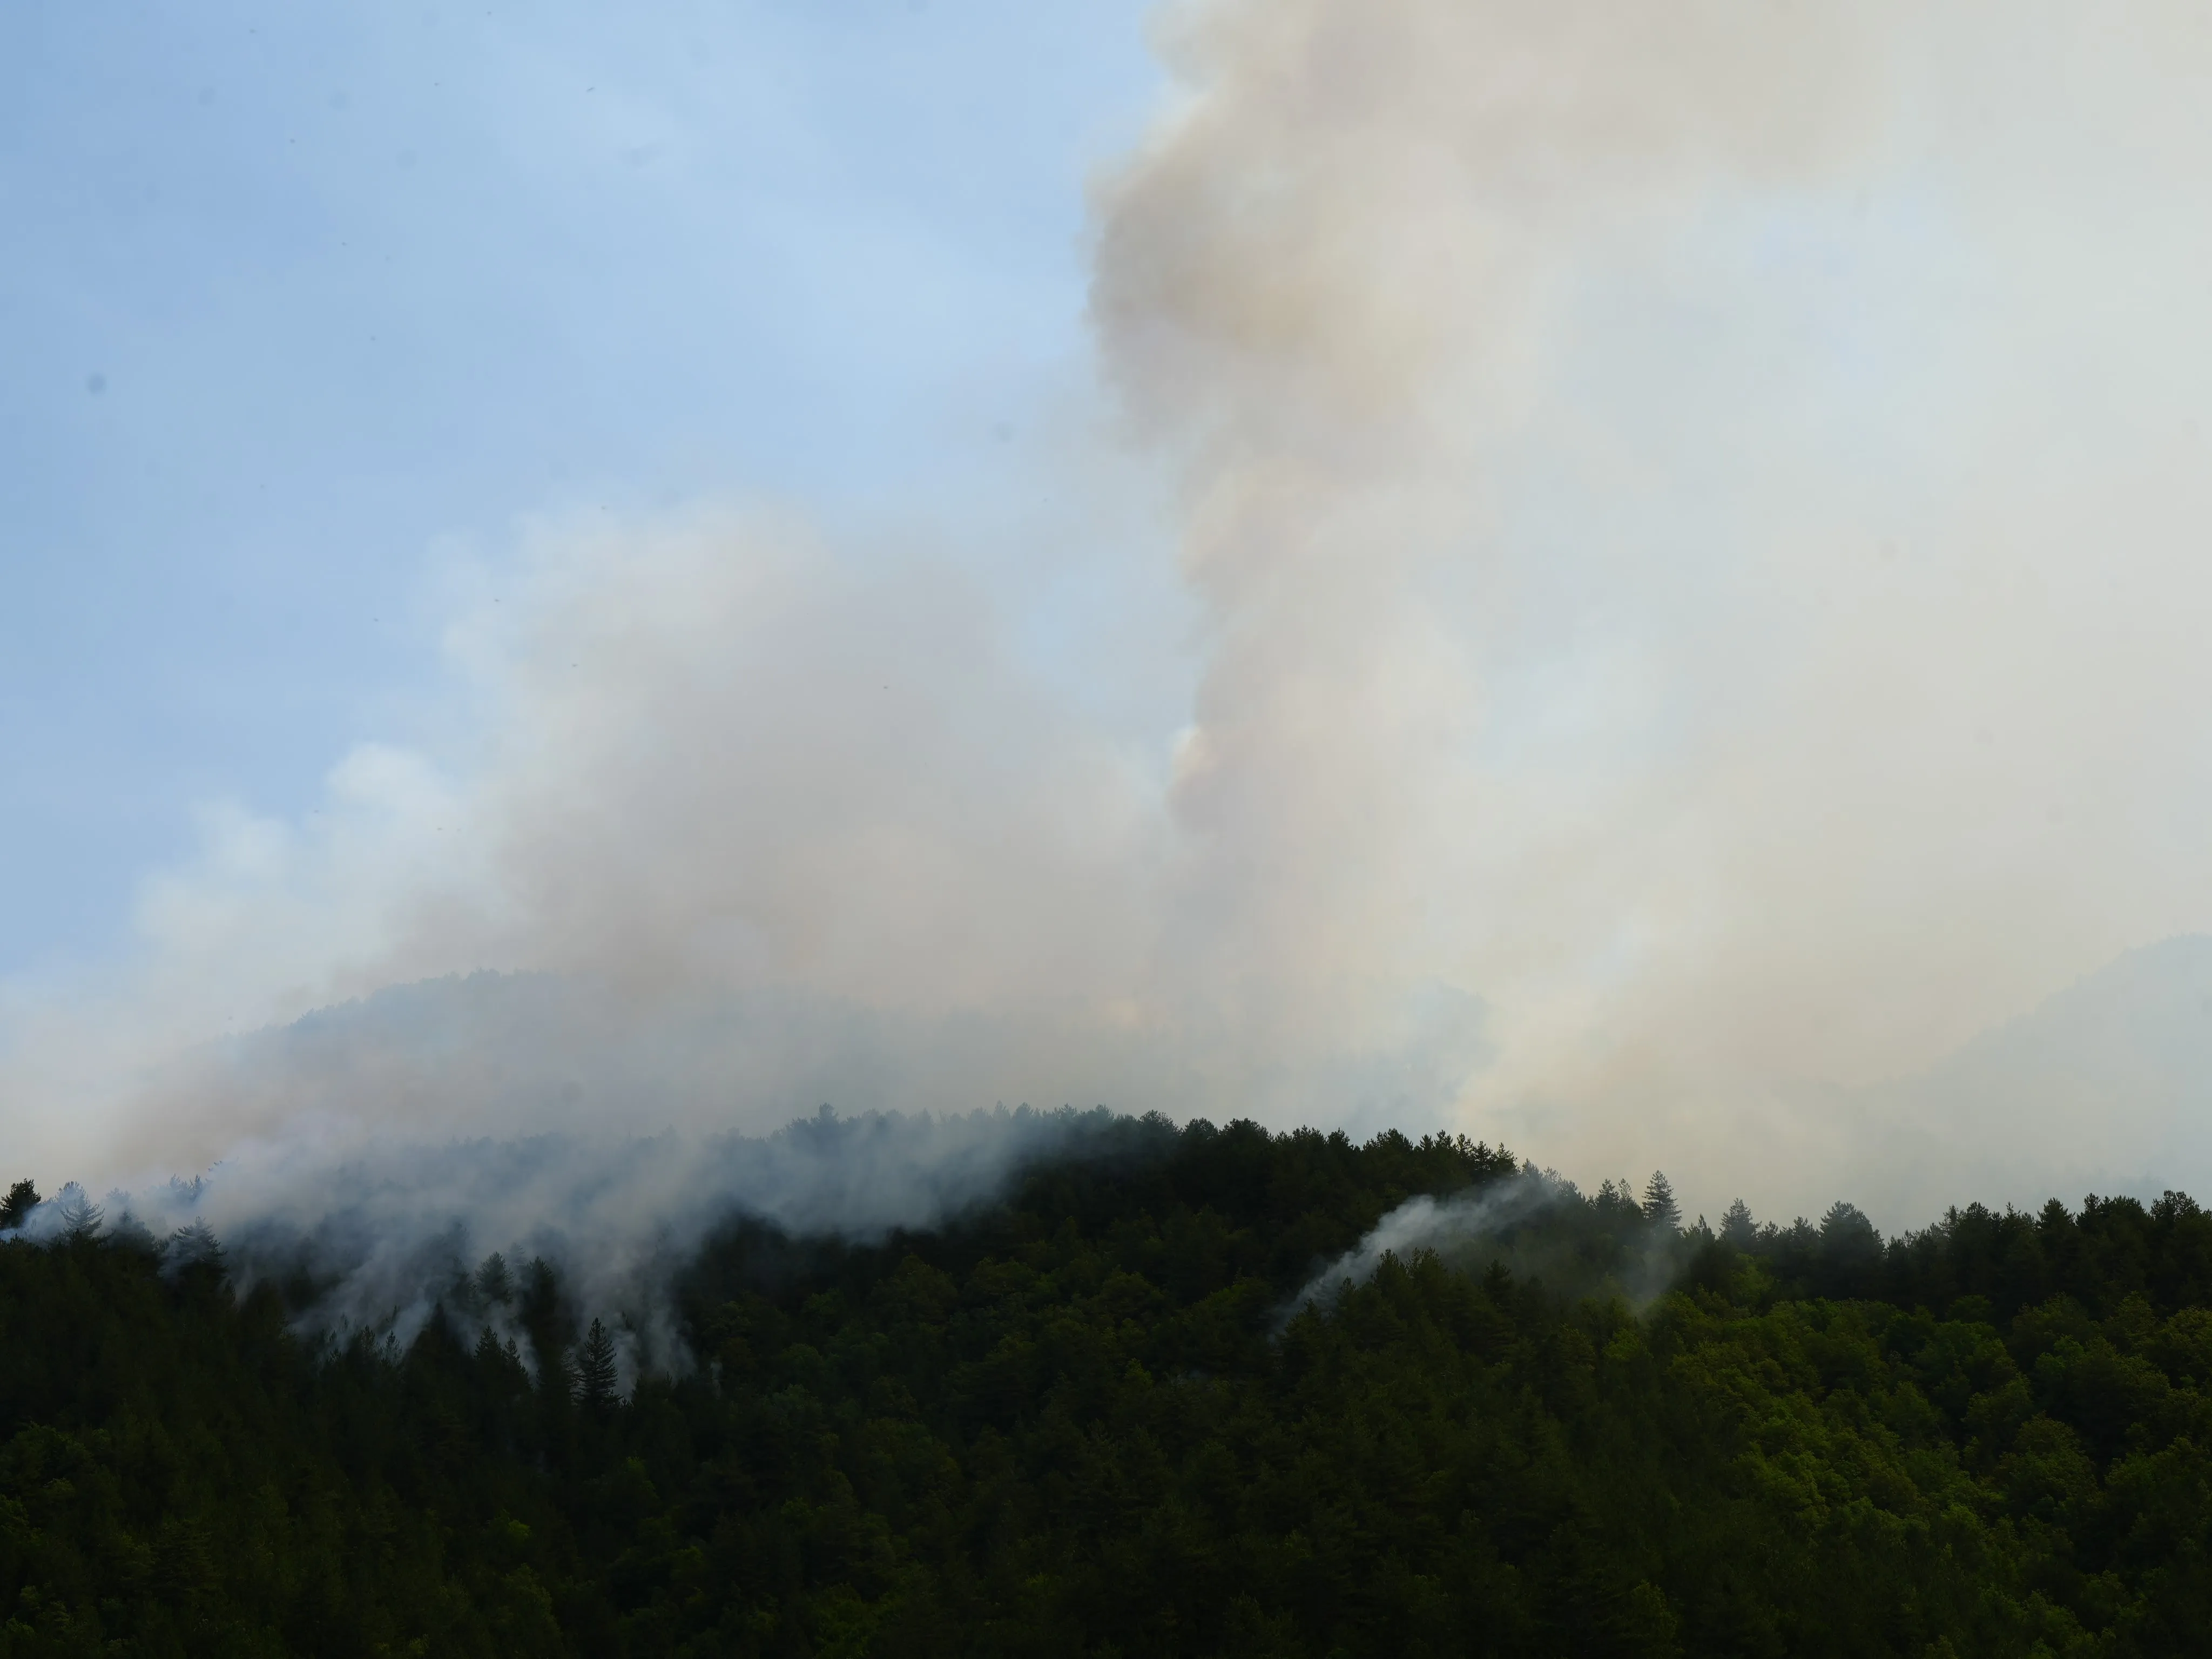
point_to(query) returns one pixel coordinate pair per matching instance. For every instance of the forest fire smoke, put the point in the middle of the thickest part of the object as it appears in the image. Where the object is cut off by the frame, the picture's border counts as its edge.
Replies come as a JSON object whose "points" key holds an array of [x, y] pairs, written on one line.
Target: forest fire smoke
{"points": [[379, 1240], [1691, 526]]}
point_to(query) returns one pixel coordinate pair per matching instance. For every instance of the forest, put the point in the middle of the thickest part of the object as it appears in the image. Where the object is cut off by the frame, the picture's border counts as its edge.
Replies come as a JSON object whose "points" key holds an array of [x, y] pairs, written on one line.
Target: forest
{"points": [[1113, 1414]]}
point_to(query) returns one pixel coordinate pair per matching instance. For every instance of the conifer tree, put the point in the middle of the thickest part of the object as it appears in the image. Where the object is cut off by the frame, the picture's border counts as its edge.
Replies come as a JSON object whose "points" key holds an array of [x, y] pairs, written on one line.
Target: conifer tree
{"points": [[1737, 1226], [1847, 1234], [16, 1209], [595, 1367], [494, 1283], [81, 1217], [1659, 1206], [194, 1245], [549, 1322]]}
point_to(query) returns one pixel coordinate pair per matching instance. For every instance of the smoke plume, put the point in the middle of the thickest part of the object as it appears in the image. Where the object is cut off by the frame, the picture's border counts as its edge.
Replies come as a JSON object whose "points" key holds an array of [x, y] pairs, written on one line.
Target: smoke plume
{"points": [[1536, 1225], [1690, 522]]}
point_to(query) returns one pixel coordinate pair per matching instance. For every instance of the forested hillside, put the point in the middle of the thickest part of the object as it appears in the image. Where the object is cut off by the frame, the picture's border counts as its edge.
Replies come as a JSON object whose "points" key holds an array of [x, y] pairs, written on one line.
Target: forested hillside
{"points": [[1093, 1419]]}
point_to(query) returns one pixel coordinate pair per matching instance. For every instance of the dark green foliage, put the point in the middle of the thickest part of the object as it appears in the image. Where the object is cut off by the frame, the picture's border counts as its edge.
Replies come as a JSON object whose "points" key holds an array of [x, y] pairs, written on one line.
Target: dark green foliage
{"points": [[1078, 1423], [22, 1199]]}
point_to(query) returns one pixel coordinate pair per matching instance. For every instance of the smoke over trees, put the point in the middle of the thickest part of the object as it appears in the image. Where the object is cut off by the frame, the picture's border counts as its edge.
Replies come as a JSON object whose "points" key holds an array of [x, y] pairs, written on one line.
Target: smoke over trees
{"points": [[1646, 659]]}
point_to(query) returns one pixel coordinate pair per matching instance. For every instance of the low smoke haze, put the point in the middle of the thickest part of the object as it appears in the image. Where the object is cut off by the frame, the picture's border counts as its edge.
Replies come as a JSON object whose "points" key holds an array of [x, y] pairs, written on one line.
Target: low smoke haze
{"points": [[393, 1232], [1626, 581]]}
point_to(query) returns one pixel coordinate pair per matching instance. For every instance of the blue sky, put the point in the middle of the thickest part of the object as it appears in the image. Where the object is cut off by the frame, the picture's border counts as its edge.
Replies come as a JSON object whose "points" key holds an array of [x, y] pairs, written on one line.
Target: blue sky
{"points": [[295, 297]]}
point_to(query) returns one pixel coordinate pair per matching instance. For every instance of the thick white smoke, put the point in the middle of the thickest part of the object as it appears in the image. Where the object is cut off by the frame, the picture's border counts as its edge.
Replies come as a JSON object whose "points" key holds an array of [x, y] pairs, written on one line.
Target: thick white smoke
{"points": [[1701, 509], [1693, 521]]}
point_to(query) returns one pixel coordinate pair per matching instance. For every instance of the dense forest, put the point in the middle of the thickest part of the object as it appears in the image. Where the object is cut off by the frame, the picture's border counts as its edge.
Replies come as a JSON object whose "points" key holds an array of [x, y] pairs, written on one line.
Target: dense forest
{"points": [[1097, 1417]]}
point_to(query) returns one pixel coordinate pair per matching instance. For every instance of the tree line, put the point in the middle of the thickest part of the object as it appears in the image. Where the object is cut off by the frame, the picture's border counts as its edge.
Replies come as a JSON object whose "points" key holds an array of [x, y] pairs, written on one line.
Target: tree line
{"points": [[1090, 1418]]}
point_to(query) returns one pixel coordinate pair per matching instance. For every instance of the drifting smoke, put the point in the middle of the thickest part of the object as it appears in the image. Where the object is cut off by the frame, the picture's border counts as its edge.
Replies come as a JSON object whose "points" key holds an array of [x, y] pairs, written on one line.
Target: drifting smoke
{"points": [[380, 1239], [1692, 522], [1453, 1225], [1536, 1225]]}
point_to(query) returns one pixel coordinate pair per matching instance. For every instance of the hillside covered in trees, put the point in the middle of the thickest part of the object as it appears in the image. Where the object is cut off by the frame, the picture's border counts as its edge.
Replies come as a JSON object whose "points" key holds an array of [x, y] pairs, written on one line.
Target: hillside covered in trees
{"points": [[1098, 1418]]}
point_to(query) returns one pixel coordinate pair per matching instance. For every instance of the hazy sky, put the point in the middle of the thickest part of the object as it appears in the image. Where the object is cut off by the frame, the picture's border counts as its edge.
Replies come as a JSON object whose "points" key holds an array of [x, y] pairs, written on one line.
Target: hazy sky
{"points": [[1624, 578]]}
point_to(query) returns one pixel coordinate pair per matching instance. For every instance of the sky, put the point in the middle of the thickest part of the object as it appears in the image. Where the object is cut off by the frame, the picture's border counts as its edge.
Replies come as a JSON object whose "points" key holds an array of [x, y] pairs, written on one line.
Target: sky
{"points": [[1629, 582], [300, 308]]}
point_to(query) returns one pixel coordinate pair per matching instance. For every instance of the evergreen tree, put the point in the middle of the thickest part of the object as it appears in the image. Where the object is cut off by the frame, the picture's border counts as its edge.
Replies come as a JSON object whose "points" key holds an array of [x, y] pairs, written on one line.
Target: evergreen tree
{"points": [[494, 1283], [1659, 1206], [81, 1217], [1737, 1227], [1848, 1243], [194, 1246], [22, 1199], [595, 1367], [548, 1320]]}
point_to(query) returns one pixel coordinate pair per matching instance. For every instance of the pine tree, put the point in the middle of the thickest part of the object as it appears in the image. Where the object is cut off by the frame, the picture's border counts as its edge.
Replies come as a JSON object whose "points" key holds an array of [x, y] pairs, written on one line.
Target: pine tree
{"points": [[1659, 1206], [550, 1322], [81, 1217], [493, 1282], [1846, 1235], [595, 1367], [1737, 1226], [22, 1199]]}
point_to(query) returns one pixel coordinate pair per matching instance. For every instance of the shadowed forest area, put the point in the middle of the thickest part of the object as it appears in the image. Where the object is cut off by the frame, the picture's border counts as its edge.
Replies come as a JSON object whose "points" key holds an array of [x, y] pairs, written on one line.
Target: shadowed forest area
{"points": [[1096, 1418]]}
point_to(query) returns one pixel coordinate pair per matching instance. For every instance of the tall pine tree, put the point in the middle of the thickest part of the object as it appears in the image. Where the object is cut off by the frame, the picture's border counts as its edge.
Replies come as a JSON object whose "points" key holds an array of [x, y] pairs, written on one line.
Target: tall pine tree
{"points": [[1659, 1206], [595, 1367]]}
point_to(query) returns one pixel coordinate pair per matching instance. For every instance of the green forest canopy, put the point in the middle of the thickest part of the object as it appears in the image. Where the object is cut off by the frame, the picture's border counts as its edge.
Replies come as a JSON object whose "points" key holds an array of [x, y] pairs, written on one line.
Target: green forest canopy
{"points": [[1093, 1420]]}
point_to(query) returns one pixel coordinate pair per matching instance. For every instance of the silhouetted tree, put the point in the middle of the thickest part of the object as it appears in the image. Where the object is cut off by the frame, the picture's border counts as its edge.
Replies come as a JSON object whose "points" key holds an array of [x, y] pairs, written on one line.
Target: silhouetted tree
{"points": [[1738, 1228], [1847, 1234], [494, 1283], [194, 1246], [595, 1367], [550, 1324], [1850, 1251], [1659, 1206], [22, 1199]]}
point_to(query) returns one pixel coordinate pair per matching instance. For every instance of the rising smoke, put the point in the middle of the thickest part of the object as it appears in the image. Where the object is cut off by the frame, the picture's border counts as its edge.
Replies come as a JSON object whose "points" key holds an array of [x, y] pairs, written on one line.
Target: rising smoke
{"points": [[1690, 520], [1535, 1225]]}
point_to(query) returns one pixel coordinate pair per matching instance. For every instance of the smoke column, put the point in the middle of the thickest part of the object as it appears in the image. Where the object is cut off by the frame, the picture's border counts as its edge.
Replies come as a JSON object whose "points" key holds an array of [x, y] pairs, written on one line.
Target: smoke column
{"points": [[1690, 522]]}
